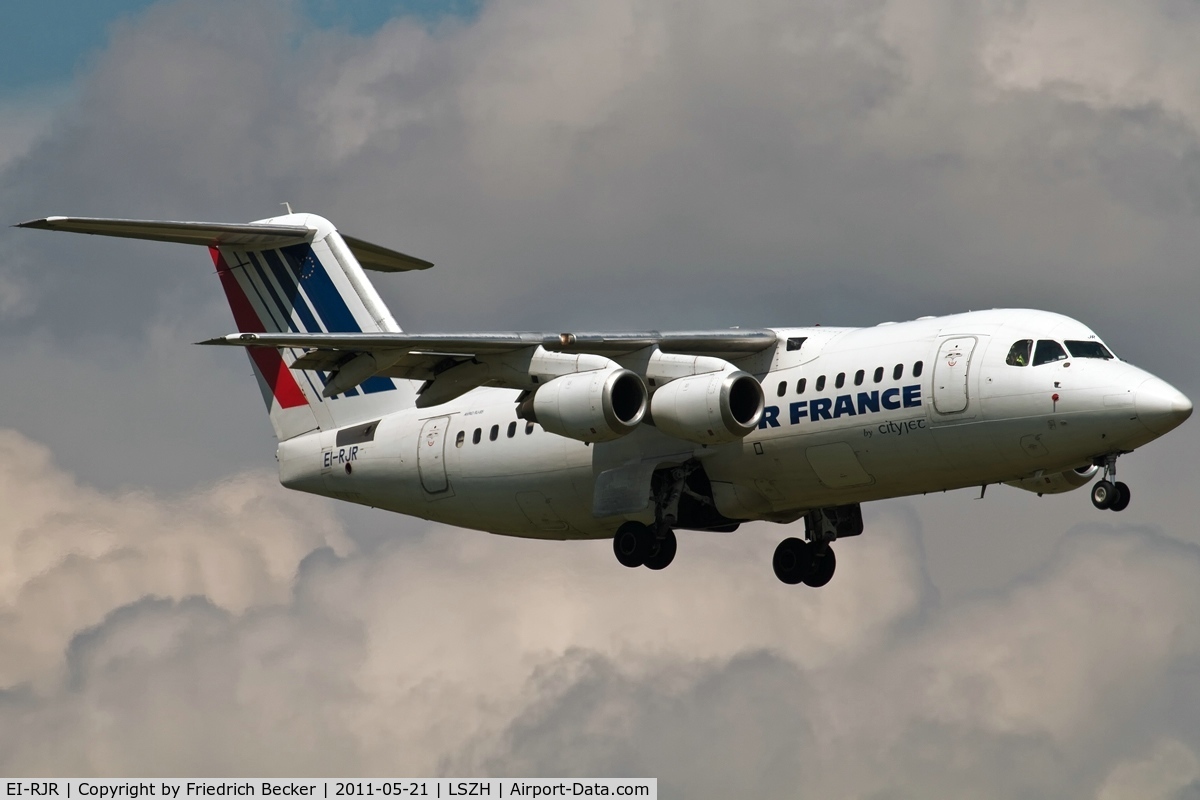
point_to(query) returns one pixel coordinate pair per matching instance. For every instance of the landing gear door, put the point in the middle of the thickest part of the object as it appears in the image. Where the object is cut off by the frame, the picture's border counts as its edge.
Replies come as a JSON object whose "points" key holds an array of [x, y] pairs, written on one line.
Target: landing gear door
{"points": [[951, 375], [431, 455]]}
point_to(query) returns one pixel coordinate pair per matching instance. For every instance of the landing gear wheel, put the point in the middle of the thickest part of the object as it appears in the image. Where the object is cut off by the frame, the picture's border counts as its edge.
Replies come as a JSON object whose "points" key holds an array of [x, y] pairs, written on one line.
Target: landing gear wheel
{"points": [[630, 544], [822, 569], [793, 561], [662, 550], [1104, 494], [1121, 502]]}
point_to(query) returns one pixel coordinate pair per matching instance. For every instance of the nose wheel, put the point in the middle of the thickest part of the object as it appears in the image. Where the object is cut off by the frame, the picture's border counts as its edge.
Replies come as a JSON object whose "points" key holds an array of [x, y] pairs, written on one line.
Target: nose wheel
{"points": [[1109, 494]]}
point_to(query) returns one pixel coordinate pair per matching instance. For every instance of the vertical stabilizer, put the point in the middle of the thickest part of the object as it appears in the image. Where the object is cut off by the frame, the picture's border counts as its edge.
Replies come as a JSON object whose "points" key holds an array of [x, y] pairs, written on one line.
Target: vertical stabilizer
{"points": [[309, 287]]}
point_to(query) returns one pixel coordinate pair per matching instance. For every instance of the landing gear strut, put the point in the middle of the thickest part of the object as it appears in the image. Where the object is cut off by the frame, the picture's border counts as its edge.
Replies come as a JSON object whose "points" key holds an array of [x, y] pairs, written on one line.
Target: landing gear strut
{"points": [[1107, 494], [812, 562], [653, 546]]}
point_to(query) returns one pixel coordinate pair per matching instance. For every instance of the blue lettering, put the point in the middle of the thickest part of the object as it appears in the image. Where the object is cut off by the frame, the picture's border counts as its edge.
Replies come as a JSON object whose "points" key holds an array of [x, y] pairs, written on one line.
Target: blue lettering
{"points": [[354, 453], [770, 417], [328, 459], [891, 399], [868, 402], [799, 409], [819, 409], [844, 405], [912, 396]]}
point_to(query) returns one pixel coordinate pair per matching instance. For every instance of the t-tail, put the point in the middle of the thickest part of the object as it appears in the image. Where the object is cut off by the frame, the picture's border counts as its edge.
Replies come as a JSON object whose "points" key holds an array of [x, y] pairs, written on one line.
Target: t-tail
{"points": [[290, 274]]}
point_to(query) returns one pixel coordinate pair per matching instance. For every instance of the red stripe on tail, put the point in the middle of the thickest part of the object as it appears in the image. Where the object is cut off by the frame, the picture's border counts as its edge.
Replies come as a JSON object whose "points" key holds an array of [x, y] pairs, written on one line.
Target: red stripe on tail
{"points": [[267, 359]]}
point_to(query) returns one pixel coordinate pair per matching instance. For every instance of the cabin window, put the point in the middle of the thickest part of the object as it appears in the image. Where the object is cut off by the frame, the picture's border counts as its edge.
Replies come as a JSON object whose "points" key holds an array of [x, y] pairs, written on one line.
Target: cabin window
{"points": [[1018, 354], [821, 384], [795, 342], [879, 374], [800, 384], [1048, 352], [841, 380], [512, 429], [1080, 349], [782, 390], [458, 440], [528, 428], [858, 377], [918, 368], [898, 372], [494, 433], [475, 437]]}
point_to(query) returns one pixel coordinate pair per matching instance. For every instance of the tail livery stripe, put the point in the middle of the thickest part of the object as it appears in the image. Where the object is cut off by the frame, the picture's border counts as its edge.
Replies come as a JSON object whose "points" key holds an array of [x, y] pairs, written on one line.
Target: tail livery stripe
{"points": [[267, 359], [291, 290]]}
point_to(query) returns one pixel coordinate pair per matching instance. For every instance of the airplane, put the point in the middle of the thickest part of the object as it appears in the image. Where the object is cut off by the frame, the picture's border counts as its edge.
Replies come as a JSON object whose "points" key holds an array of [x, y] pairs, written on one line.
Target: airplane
{"points": [[634, 435]]}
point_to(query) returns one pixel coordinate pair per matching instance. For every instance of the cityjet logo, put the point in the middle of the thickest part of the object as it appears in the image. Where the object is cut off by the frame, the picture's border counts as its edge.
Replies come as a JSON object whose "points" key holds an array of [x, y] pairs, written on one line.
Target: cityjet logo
{"points": [[845, 405]]}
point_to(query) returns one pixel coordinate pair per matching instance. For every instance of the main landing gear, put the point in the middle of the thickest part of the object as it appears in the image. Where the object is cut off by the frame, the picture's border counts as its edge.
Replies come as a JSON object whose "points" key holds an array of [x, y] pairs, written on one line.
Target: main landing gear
{"points": [[1107, 494], [812, 562], [639, 545]]}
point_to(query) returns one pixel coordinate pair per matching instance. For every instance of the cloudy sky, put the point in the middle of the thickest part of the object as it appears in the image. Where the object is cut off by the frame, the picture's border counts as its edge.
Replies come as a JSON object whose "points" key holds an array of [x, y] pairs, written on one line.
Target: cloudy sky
{"points": [[167, 609]]}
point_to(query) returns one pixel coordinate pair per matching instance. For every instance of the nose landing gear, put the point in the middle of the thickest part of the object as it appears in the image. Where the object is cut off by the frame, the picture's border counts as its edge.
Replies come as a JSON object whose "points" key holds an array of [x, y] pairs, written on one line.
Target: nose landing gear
{"points": [[1108, 494]]}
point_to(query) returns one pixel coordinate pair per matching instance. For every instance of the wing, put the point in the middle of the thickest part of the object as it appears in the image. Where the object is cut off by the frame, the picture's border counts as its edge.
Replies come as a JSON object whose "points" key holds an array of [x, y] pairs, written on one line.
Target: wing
{"points": [[457, 362]]}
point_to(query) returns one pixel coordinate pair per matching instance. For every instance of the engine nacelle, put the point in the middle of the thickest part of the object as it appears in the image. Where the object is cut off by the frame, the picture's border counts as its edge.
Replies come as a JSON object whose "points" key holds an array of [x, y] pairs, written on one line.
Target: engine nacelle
{"points": [[709, 409], [1059, 482], [594, 406]]}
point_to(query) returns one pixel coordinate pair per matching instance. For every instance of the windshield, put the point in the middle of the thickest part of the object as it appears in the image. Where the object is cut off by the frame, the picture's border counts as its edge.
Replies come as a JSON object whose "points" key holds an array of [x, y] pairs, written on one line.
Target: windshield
{"points": [[1048, 351], [1089, 350]]}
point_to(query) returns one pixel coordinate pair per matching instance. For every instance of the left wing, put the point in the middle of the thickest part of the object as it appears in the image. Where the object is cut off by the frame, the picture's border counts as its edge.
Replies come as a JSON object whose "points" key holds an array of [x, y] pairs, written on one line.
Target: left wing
{"points": [[455, 363]]}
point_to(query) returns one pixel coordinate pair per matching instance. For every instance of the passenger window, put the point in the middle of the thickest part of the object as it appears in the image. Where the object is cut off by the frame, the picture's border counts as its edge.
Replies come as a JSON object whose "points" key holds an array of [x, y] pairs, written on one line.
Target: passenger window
{"points": [[1082, 349], [918, 368], [898, 372], [495, 432], [782, 388], [1048, 352], [458, 440], [475, 437], [821, 384], [528, 428], [858, 377], [1018, 354], [879, 374], [800, 384], [841, 380], [512, 429]]}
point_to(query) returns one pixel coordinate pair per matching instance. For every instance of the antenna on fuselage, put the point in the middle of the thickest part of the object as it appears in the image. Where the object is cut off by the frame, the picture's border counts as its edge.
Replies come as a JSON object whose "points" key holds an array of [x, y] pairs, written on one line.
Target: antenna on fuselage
{"points": [[288, 206]]}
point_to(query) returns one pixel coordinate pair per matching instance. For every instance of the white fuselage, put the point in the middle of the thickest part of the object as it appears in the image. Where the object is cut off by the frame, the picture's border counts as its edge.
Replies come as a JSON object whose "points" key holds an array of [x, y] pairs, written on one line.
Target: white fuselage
{"points": [[850, 417]]}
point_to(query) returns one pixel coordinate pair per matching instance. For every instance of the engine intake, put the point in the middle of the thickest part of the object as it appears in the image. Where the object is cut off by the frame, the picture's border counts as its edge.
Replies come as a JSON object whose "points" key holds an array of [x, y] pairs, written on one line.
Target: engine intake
{"points": [[1058, 482], [709, 409], [593, 406]]}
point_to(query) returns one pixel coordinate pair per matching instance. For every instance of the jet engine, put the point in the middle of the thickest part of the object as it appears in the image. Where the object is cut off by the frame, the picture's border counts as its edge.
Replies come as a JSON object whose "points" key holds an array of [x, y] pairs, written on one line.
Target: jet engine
{"points": [[1058, 482], [710, 408], [593, 406]]}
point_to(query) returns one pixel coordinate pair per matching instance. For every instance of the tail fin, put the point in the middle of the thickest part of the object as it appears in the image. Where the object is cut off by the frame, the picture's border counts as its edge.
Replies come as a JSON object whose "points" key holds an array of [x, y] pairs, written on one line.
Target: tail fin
{"points": [[311, 287], [289, 274]]}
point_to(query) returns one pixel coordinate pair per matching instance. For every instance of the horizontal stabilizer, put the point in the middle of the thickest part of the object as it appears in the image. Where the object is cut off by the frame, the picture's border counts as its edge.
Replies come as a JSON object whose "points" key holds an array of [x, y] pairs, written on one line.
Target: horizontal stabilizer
{"points": [[250, 236]]}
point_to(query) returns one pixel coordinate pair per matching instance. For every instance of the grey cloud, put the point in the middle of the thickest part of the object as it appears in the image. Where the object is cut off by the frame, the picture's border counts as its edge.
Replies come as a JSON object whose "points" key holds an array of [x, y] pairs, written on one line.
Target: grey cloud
{"points": [[462, 654]]}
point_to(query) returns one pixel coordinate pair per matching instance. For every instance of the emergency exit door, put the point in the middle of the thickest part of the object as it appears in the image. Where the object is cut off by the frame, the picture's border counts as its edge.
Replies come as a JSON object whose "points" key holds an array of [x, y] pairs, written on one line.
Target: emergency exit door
{"points": [[951, 373], [431, 455]]}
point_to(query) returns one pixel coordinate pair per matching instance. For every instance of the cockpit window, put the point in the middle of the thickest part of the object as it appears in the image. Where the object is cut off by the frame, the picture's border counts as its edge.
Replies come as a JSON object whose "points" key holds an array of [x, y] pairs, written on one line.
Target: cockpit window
{"points": [[1018, 354], [1089, 350], [1048, 352]]}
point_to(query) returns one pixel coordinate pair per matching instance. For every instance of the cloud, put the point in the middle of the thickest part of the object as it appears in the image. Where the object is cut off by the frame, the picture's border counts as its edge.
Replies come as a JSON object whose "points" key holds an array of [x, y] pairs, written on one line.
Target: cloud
{"points": [[576, 165], [233, 642]]}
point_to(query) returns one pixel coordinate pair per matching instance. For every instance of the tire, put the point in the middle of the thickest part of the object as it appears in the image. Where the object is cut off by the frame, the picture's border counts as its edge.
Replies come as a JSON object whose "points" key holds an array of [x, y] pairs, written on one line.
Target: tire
{"points": [[662, 551], [629, 544], [1104, 494], [793, 561], [1121, 502], [822, 570]]}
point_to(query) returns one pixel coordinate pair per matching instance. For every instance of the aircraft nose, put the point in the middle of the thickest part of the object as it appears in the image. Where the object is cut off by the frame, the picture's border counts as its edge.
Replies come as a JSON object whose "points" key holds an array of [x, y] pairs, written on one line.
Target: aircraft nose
{"points": [[1160, 406]]}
